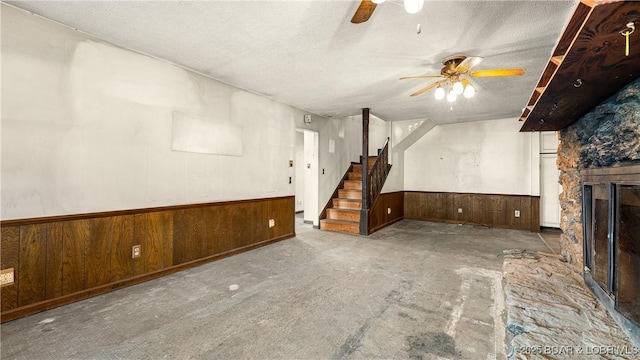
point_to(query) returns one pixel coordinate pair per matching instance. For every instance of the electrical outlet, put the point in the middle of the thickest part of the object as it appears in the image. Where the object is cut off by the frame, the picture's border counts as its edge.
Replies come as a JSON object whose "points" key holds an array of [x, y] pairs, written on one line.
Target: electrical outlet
{"points": [[6, 277], [388, 210], [517, 213], [272, 223], [136, 251], [459, 210]]}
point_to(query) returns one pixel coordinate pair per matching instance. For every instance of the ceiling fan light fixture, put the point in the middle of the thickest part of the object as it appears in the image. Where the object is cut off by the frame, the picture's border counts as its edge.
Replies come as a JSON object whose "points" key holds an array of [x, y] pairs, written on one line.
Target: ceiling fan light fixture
{"points": [[458, 88], [377, 1], [413, 6], [451, 97], [440, 93], [469, 91]]}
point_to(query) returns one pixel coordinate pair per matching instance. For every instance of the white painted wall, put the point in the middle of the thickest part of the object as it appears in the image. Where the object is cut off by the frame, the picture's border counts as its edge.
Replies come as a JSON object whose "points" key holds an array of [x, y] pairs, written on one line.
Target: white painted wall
{"points": [[311, 171], [402, 135], [340, 143], [379, 130], [395, 180], [87, 127], [78, 137], [490, 157], [401, 129], [298, 164]]}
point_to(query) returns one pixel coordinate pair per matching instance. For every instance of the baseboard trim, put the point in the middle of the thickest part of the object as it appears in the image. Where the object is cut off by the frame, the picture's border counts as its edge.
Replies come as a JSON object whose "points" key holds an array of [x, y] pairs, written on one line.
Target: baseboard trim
{"points": [[99, 290], [382, 226]]}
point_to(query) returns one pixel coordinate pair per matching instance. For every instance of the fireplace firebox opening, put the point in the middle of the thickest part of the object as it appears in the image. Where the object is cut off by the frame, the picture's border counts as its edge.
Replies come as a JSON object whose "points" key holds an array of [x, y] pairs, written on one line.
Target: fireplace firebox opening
{"points": [[611, 218]]}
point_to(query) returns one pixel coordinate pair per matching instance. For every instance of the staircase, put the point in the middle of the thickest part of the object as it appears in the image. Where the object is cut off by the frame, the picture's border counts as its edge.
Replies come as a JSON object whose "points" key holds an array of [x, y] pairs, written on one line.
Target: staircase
{"points": [[343, 215]]}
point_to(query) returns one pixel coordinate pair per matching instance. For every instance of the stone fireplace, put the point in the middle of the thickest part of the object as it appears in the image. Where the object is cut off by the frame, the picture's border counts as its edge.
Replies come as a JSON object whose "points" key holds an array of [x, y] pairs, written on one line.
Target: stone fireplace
{"points": [[599, 162]]}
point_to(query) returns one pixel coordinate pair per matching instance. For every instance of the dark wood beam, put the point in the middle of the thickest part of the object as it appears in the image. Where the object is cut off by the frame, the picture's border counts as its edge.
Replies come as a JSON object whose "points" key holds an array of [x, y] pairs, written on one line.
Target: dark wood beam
{"points": [[588, 65], [364, 212]]}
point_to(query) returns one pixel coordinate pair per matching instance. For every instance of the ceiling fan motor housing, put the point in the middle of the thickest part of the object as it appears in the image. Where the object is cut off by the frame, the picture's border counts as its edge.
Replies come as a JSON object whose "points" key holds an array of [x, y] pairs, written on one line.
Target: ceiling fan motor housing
{"points": [[450, 64]]}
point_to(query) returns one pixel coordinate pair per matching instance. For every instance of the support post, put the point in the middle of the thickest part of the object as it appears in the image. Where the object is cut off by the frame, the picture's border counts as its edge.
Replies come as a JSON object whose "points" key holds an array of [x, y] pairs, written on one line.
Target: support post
{"points": [[364, 212]]}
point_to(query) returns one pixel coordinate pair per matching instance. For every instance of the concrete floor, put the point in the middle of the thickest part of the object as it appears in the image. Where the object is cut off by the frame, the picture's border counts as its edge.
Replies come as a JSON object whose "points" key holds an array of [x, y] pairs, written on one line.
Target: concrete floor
{"points": [[415, 290]]}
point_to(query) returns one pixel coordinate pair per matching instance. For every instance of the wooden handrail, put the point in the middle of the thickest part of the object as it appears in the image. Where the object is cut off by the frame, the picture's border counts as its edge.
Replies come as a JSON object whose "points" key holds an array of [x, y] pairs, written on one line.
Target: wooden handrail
{"points": [[378, 173]]}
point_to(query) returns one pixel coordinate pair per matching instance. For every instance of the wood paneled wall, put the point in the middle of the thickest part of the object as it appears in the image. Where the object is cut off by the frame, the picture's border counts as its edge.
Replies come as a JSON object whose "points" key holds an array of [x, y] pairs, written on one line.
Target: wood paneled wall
{"points": [[379, 216], [63, 259], [481, 209]]}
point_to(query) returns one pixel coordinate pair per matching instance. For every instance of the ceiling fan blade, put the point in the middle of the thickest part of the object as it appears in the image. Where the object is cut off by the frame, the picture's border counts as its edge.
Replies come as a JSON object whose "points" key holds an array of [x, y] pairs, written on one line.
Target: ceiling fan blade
{"points": [[468, 63], [420, 77], [364, 11], [426, 88], [497, 72]]}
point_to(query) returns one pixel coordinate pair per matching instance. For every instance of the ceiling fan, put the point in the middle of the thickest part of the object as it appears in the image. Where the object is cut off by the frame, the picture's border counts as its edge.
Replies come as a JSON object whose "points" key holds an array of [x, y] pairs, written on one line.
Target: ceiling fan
{"points": [[455, 73], [366, 8]]}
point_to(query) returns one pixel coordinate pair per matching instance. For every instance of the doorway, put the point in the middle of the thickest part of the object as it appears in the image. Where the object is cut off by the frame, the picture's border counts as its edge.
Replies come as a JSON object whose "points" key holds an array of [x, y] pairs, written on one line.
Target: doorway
{"points": [[549, 191], [306, 177], [550, 187]]}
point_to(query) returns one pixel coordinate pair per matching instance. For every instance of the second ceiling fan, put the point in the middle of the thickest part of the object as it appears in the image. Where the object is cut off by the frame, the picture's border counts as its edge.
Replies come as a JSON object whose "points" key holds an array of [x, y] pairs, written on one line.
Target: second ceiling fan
{"points": [[454, 75], [366, 8]]}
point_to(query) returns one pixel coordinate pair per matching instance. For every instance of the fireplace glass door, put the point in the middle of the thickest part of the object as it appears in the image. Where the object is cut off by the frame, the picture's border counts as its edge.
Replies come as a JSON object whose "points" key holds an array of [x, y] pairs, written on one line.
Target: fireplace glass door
{"points": [[600, 220], [611, 219], [628, 256]]}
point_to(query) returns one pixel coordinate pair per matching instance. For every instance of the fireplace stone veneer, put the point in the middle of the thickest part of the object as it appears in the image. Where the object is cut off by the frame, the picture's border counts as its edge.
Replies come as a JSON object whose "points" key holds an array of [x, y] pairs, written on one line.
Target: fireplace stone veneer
{"points": [[599, 160]]}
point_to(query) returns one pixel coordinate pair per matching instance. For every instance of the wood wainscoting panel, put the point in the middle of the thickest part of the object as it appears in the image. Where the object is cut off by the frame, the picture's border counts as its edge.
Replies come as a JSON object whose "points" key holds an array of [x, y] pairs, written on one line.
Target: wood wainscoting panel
{"points": [[121, 248], [156, 242], [55, 247], [10, 259], [181, 235], [76, 235], [249, 221], [492, 210], [62, 259], [380, 217], [535, 214], [33, 254], [460, 207], [98, 252], [279, 210], [220, 216]]}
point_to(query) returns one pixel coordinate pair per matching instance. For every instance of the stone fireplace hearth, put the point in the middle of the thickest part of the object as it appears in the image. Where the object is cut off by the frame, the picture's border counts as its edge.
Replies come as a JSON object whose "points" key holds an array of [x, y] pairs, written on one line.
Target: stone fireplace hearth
{"points": [[599, 162]]}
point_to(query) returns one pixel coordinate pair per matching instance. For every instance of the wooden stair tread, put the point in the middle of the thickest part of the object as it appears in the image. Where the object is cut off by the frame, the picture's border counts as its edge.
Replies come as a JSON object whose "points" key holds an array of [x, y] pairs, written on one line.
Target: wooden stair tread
{"points": [[336, 221], [344, 216], [343, 226], [353, 185], [348, 200], [347, 210], [349, 194]]}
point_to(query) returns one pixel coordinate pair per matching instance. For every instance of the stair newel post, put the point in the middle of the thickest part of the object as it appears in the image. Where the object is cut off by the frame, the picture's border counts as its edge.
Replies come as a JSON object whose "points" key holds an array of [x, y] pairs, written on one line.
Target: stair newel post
{"points": [[364, 212]]}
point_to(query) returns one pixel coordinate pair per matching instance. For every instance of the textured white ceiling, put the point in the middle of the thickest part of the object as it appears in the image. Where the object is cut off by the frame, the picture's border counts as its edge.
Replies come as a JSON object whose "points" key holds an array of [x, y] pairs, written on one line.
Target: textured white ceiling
{"points": [[309, 55]]}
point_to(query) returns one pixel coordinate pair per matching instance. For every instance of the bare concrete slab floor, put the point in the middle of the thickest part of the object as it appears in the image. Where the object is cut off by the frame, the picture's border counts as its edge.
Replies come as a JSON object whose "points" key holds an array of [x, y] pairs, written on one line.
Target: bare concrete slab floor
{"points": [[414, 290]]}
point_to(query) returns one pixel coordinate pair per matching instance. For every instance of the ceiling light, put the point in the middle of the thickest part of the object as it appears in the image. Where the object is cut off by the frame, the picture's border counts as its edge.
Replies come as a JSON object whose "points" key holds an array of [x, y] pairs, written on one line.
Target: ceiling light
{"points": [[413, 6], [378, 1], [458, 88], [469, 91], [451, 97], [439, 93]]}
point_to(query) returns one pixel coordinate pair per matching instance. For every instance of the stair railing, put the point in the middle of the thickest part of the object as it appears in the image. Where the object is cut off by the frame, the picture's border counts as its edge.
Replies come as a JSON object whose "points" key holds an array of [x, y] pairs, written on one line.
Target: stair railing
{"points": [[378, 173]]}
